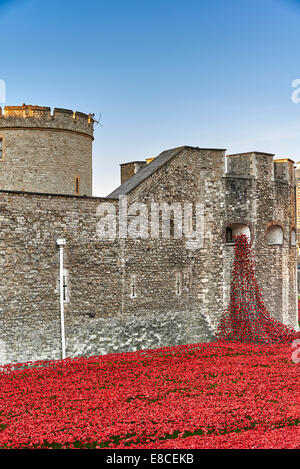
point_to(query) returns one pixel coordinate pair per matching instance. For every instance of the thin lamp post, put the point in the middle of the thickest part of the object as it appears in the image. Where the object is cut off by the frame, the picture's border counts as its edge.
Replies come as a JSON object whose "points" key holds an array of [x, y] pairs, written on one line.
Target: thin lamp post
{"points": [[61, 243]]}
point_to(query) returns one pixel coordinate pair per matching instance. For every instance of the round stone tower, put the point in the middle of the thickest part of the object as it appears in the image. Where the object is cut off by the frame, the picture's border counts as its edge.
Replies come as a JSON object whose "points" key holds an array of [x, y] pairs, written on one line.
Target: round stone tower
{"points": [[45, 152]]}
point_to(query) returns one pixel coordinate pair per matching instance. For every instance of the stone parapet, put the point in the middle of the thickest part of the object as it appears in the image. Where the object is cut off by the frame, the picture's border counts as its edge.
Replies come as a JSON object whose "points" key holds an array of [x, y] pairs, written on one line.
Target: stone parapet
{"points": [[28, 116]]}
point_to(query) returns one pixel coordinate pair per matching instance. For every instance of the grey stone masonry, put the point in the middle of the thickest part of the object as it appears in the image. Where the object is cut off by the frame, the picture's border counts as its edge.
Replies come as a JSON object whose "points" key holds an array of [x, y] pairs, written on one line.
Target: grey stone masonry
{"points": [[44, 152], [127, 293]]}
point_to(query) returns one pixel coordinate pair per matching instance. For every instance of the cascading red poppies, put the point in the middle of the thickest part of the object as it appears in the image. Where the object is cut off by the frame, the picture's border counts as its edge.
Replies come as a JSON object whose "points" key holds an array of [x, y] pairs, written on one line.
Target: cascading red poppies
{"points": [[246, 319], [210, 395]]}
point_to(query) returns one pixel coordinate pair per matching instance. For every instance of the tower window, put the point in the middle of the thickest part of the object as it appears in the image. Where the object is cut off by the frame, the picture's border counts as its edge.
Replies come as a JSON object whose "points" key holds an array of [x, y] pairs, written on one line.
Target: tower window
{"points": [[274, 235], [1, 148], [77, 185], [229, 235], [236, 229], [293, 237]]}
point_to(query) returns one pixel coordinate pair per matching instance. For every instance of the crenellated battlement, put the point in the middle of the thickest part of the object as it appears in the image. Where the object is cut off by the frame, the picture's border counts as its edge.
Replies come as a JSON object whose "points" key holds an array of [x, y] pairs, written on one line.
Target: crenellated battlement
{"points": [[46, 151], [29, 116], [260, 166], [284, 170]]}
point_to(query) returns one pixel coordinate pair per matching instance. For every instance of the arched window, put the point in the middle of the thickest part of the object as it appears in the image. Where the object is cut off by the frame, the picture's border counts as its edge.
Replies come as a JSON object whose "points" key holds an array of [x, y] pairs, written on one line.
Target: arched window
{"points": [[229, 238], [293, 237], [236, 229], [274, 235]]}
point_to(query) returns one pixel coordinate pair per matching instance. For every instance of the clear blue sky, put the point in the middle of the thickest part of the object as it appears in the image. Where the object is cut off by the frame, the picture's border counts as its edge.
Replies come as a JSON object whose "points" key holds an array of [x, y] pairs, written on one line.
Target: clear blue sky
{"points": [[162, 73]]}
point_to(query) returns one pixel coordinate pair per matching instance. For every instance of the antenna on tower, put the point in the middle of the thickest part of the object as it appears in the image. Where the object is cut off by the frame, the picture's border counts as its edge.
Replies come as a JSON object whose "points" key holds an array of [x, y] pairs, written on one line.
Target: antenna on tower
{"points": [[97, 121]]}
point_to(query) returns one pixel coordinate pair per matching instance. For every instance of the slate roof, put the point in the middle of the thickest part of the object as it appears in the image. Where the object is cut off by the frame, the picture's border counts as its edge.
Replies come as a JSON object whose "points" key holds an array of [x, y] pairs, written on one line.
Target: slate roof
{"points": [[148, 170], [144, 173]]}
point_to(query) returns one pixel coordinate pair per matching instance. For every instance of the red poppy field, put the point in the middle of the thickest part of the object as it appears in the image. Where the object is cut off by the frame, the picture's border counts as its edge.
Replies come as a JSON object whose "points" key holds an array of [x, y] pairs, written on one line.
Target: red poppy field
{"points": [[210, 395]]}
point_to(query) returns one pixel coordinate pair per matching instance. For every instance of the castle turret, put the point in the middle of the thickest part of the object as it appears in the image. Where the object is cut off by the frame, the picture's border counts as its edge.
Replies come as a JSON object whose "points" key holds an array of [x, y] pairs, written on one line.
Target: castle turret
{"points": [[45, 152], [260, 202]]}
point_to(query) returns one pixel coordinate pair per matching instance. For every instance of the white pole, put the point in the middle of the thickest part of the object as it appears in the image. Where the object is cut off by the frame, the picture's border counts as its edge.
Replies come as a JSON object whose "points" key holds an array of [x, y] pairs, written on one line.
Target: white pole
{"points": [[61, 243], [297, 313]]}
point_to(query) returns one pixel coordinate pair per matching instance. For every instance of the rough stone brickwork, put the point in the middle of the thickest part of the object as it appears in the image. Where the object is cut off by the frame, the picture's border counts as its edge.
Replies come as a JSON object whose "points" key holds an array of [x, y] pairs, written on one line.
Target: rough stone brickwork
{"points": [[263, 198], [44, 152], [130, 169], [179, 289], [297, 176]]}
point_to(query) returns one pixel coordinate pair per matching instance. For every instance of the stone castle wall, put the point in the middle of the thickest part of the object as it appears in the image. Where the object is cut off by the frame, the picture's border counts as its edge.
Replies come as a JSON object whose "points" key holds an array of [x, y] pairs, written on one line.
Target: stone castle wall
{"points": [[44, 152], [101, 315], [261, 195]]}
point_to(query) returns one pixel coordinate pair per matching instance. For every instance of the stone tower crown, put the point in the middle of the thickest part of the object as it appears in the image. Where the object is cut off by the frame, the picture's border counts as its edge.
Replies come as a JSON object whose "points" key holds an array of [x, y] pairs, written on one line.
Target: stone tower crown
{"points": [[44, 151], [258, 165], [28, 116]]}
